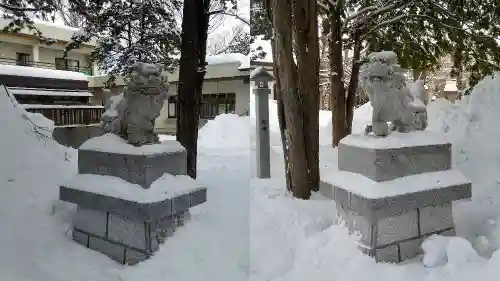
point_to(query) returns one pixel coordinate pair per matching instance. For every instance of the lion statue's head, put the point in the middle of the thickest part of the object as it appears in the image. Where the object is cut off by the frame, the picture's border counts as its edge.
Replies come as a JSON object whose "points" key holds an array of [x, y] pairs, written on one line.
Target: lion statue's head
{"points": [[381, 68], [147, 78]]}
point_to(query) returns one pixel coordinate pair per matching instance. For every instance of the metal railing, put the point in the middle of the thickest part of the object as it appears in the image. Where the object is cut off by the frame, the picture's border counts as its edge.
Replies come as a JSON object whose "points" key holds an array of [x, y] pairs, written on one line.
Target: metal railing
{"points": [[70, 116], [46, 65]]}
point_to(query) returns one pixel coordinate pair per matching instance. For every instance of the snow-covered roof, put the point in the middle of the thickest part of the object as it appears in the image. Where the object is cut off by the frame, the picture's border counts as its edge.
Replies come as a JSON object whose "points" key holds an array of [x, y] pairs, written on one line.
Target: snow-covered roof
{"points": [[48, 92], [28, 71], [51, 30], [242, 60]]}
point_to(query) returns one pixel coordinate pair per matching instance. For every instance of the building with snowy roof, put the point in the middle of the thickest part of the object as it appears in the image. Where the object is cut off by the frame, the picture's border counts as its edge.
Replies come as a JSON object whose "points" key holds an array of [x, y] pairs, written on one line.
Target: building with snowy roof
{"points": [[23, 48], [226, 88]]}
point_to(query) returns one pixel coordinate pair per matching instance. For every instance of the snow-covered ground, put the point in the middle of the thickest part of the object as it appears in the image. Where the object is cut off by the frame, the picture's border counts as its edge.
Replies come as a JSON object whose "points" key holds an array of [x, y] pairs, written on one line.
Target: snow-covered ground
{"points": [[249, 229]]}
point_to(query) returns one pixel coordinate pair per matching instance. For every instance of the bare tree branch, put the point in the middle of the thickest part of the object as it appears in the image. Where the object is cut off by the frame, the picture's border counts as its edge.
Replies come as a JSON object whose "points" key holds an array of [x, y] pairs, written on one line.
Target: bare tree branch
{"points": [[224, 12]]}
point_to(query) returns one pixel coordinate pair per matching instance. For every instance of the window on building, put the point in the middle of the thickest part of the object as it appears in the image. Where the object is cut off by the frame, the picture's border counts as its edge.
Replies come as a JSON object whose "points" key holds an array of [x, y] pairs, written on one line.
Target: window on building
{"points": [[172, 106], [215, 104], [68, 64], [23, 59]]}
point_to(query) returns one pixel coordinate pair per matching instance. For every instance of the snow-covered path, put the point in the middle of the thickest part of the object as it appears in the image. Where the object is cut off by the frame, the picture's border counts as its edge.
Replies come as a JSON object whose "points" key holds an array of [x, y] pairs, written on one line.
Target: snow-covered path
{"points": [[214, 244]]}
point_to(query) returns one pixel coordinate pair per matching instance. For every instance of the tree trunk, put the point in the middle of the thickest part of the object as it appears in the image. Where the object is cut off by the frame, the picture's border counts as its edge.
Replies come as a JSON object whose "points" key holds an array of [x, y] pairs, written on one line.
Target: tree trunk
{"points": [[337, 92], [353, 83], [278, 93], [292, 101], [307, 54], [191, 76]]}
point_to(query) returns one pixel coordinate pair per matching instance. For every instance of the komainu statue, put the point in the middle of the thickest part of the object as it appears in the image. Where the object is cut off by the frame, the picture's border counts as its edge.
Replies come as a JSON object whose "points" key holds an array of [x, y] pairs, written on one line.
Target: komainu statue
{"points": [[383, 80], [132, 115]]}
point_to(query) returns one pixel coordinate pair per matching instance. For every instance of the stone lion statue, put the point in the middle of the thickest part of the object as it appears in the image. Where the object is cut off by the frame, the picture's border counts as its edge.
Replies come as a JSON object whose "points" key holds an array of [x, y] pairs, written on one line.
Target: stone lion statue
{"points": [[383, 80], [132, 115]]}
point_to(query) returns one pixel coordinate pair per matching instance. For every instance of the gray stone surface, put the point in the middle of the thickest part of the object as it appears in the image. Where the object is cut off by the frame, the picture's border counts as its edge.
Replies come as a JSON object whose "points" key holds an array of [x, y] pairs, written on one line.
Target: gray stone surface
{"points": [[449, 232], [81, 238], [198, 197], [181, 203], [128, 232], [411, 248], [164, 228], [396, 228], [435, 218], [133, 257], [263, 149], [358, 225], [394, 205], [129, 209], [388, 254], [137, 169], [388, 164], [392, 235], [114, 251], [132, 210], [91, 221], [382, 78]]}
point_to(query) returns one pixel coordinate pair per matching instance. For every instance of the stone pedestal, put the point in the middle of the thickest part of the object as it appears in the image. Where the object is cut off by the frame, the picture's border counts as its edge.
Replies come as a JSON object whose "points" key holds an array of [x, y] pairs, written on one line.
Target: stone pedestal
{"points": [[395, 191], [130, 199]]}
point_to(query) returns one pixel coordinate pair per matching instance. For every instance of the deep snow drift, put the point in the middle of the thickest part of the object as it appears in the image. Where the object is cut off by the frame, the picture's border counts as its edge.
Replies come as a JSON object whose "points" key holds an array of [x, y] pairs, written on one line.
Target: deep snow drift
{"points": [[226, 132]]}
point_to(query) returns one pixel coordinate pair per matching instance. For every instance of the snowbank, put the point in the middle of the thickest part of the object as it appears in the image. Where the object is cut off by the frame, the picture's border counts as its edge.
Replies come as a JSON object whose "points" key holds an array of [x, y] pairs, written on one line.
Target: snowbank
{"points": [[226, 131], [33, 222]]}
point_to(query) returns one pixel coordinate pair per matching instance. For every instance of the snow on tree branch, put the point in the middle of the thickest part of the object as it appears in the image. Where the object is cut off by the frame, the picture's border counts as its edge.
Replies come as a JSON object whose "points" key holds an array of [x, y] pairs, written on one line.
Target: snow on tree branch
{"points": [[230, 13], [13, 8]]}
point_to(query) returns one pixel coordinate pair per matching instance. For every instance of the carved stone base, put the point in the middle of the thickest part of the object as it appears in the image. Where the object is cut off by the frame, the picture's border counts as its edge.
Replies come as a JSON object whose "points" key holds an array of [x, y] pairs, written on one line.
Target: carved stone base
{"points": [[128, 231], [395, 191], [130, 199], [123, 240]]}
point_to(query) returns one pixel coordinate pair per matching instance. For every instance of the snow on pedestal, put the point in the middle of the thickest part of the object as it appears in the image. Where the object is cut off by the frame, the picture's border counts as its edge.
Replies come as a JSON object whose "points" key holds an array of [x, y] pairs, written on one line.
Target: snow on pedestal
{"points": [[395, 191], [130, 199]]}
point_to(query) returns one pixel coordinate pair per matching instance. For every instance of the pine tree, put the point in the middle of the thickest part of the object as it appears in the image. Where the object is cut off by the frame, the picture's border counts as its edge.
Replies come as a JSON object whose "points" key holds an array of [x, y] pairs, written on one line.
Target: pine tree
{"points": [[21, 13], [129, 31], [420, 32]]}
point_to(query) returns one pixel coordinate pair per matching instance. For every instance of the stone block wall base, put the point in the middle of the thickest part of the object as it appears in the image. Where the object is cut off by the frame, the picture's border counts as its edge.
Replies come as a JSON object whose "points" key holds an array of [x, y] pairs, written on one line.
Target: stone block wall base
{"points": [[123, 240], [404, 250], [396, 238]]}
